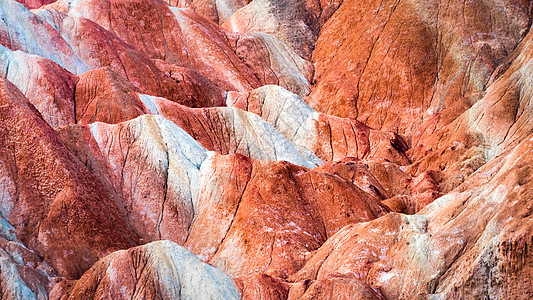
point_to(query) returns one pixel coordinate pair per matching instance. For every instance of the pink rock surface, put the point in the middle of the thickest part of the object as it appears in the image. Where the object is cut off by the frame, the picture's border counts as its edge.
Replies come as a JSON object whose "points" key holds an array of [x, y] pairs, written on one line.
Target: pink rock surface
{"points": [[48, 86], [178, 36], [55, 205], [31, 4]]}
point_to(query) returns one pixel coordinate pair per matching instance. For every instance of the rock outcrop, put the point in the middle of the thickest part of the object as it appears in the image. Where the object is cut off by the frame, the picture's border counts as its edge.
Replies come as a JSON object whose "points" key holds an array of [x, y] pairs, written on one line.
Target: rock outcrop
{"points": [[295, 210], [158, 270], [394, 64], [53, 202], [329, 137], [48, 86]]}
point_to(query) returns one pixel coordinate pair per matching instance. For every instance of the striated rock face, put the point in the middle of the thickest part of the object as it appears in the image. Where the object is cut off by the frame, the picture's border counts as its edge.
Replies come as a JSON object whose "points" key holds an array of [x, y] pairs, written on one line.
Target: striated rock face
{"points": [[330, 137], [393, 64], [159, 270], [168, 33], [104, 96], [151, 152], [274, 62], [35, 37], [232, 130], [434, 252], [53, 202], [295, 22], [226, 149], [48, 86], [295, 210], [31, 4], [261, 286], [154, 165]]}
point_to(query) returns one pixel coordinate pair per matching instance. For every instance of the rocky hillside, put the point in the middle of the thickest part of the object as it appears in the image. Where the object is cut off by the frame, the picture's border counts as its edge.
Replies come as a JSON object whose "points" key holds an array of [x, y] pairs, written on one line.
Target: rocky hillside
{"points": [[266, 149]]}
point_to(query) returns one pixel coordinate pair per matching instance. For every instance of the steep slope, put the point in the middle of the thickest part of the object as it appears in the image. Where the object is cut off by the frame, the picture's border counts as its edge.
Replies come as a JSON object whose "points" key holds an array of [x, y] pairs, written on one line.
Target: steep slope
{"points": [[496, 123], [394, 64], [22, 30], [53, 202], [172, 188], [434, 252], [159, 270], [48, 86], [295, 209], [329, 137]]}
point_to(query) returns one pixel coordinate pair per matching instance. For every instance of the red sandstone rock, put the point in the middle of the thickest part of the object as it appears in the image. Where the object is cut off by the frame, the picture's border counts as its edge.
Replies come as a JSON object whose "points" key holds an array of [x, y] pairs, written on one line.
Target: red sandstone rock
{"points": [[336, 287], [421, 108], [55, 205], [274, 62], [216, 11], [483, 155], [412, 252], [329, 137], [31, 4], [195, 89], [104, 96], [493, 125], [386, 181], [100, 48], [261, 286], [49, 87], [294, 22], [21, 30], [136, 166], [231, 130], [392, 64], [178, 36], [159, 270], [187, 36], [293, 208], [150, 152]]}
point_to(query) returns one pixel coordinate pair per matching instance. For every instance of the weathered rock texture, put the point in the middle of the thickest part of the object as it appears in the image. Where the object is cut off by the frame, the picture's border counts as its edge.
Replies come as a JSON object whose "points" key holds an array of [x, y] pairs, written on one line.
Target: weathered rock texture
{"points": [[295, 209], [159, 270], [224, 149], [393, 64], [53, 202], [330, 137]]}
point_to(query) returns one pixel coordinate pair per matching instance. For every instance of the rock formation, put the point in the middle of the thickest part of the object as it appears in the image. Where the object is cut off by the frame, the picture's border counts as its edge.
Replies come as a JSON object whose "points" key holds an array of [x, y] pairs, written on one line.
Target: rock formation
{"points": [[160, 269], [262, 149]]}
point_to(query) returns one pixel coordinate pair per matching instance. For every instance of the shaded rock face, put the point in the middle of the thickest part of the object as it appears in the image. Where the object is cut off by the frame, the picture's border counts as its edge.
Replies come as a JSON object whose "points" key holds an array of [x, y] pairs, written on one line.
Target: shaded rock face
{"points": [[49, 197], [265, 149]]}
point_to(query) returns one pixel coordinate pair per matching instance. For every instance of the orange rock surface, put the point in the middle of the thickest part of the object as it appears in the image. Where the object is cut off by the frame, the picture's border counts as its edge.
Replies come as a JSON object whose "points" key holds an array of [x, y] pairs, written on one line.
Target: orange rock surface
{"points": [[393, 64]]}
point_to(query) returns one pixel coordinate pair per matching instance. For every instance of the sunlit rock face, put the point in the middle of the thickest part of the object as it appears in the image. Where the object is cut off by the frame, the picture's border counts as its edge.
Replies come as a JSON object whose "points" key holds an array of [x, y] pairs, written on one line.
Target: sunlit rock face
{"points": [[394, 64], [158, 270], [236, 149]]}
